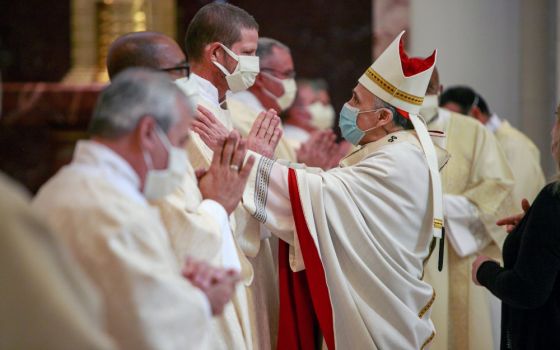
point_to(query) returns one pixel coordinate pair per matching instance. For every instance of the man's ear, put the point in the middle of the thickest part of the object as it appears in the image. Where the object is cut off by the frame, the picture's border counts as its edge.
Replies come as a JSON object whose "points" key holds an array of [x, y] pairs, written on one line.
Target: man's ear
{"points": [[145, 133], [385, 117], [478, 115], [213, 52]]}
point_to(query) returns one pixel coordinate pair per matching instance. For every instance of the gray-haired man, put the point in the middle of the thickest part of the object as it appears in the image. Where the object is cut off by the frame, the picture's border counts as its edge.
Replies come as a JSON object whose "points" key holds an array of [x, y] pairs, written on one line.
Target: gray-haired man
{"points": [[98, 205]]}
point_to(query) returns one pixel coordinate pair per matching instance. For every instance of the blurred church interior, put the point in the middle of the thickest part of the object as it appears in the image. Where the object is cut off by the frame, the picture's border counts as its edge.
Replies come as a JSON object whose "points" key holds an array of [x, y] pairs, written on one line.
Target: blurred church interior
{"points": [[52, 58]]}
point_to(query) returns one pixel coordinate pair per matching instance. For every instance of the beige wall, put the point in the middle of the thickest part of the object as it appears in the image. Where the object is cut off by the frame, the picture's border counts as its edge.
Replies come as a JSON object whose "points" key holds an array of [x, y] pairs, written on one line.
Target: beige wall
{"points": [[505, 49]]}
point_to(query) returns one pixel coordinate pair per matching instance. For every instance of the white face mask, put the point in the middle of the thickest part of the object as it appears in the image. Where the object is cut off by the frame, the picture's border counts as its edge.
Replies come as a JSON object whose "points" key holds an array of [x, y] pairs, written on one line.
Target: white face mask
{"points": [[160, 183], [322, 116], [289, 95], [245, 73]]}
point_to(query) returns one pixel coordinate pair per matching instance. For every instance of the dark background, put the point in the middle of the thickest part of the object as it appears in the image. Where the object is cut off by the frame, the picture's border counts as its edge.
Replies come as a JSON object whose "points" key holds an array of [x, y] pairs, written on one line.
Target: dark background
{"points": [[329, 39], [42, 120]]}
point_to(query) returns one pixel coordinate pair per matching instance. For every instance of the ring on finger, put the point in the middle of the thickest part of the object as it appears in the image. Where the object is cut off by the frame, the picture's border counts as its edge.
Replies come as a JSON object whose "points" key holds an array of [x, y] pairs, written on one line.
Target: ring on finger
{"points": [[234, 167]]}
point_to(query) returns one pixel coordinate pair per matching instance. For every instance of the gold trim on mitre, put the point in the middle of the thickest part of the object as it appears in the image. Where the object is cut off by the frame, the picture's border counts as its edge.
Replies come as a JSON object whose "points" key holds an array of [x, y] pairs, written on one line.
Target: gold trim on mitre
{"points": [[391, 89]]}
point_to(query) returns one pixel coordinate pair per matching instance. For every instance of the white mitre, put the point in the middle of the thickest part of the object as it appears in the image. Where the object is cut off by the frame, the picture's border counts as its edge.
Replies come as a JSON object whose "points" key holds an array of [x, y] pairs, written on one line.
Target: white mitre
{"points": [[402, 82]]}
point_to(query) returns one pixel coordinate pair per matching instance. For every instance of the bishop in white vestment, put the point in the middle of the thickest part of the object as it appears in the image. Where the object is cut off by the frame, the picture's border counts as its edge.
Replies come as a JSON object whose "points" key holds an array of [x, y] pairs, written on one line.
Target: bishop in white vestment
{"points": [[357, 237]]}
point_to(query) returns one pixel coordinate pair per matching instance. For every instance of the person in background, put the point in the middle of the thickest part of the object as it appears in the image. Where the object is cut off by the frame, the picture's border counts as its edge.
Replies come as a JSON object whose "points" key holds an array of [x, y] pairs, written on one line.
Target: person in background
{"points": [[297, 119], [322, 112], [522, 154], [477, 185], [528, 283], [46, 300]]}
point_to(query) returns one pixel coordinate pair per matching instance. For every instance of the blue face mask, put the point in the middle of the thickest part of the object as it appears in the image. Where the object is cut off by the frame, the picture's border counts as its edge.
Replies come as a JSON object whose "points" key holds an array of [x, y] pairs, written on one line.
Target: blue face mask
{"points": [[347, 123]]}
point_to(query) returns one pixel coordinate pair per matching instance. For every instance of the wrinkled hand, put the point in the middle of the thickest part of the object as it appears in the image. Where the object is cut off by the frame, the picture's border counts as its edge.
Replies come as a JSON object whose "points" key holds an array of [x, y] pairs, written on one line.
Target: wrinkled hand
{"points": [[318, 150], [265, 134], [225, 179], [217, 283], [511, 221], [476, 265], [321, 150], [344, 148], [209, 128]]}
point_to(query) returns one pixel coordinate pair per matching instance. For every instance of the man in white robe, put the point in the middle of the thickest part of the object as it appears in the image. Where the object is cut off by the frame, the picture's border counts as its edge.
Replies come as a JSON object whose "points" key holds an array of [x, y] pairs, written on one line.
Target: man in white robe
{"points": [[98, 206], [522, 154], [362, 231], [221, 42], [196, 221], [46, 301], [477, 184]]}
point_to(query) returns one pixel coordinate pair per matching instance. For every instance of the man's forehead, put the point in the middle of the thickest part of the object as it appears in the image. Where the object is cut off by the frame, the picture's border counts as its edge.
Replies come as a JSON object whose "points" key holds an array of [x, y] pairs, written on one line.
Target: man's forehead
{"points": [[279, 57], [170, 47], [362, 92], [248, 38]]}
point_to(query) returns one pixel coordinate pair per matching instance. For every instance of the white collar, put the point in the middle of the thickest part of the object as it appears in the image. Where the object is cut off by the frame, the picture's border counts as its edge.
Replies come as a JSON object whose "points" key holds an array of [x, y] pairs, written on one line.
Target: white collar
{"points": [[206, 90], [494, 123], [248, 98], [96, 157]]}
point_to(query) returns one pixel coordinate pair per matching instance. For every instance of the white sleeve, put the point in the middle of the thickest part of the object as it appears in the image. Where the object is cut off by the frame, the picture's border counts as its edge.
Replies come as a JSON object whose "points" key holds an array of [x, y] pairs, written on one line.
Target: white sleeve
{"points": [[267, 197], [230, 259], [465, 230]]}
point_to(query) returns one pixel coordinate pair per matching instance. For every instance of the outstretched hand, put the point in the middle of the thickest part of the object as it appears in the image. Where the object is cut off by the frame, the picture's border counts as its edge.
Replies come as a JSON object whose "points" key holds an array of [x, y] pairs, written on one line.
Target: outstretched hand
{"points": [[265, 134], [225, 179], [321, 150], [209, 128], [318, 149], [511, 222]]}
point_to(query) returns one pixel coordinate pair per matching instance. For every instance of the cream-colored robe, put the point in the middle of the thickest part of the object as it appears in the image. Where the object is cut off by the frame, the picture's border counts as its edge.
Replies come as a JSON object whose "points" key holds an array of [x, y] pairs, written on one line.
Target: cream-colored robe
{"points": [[477, 171], [46, 301], [196, 232], [95, 206], [256, 304], [524, 160], [370, 221]]}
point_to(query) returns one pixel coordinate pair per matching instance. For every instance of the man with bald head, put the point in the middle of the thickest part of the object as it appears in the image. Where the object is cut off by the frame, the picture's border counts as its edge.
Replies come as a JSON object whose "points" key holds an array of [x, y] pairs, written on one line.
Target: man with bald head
{"points": [[149, 50], [477, 184]]}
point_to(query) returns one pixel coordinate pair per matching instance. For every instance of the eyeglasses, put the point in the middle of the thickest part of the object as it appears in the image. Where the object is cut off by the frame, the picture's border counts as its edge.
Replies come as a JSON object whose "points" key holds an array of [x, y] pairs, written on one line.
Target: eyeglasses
{"points": [[183, 67], [278, 74]]}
